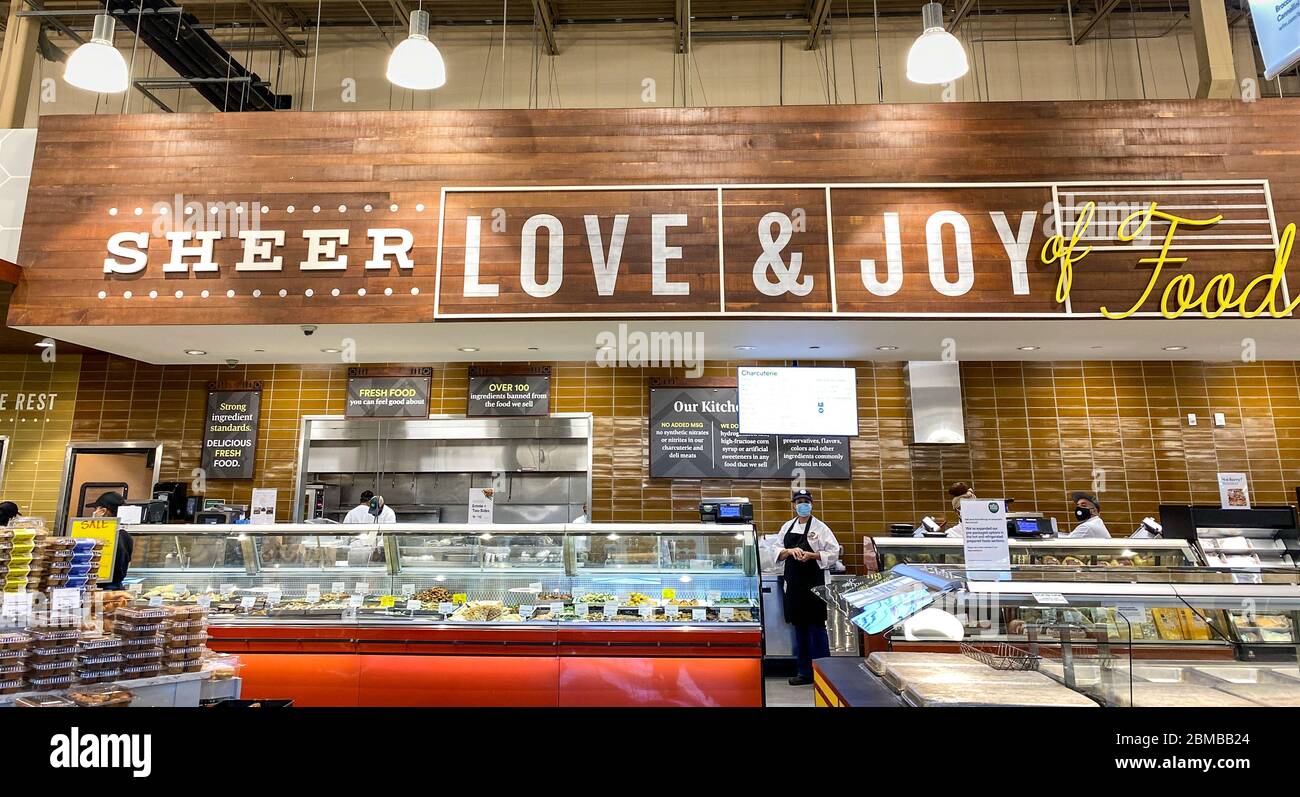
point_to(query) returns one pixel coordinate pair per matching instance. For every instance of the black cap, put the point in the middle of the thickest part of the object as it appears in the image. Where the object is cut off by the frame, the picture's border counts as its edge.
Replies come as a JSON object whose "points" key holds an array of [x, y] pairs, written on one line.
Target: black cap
{"points": [[110, 501], [801, 495], [366, 496], [8, 511], [1089, 497]]}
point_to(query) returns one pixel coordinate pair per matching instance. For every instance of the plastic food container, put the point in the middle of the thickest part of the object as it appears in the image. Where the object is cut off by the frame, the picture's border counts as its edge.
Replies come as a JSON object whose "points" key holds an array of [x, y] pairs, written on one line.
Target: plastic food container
{"points": [[100, 644], [99, 676], [13, 656], [44, 701], [186, 628], [11, 669], [141, 642], [100, 696], [131, 629], [183, 654], [49, 669], [133, 672], [84, 544], [45, 636], [101, 660], [141, 615], [78, 570], [135, 658], [53, 652], [12, 687], [186, 640], [14, 640], [51, 684], [78, 582]]}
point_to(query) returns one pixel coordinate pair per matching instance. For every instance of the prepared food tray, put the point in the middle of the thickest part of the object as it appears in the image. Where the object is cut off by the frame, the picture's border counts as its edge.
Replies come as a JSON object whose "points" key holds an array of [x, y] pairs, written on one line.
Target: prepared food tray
{"points": [[900, 676], [12, 686], [51, 684], [929, 694], [48, 635], [99, 676], [101, 696], [879, 661], [141, 671], [44, 701]]}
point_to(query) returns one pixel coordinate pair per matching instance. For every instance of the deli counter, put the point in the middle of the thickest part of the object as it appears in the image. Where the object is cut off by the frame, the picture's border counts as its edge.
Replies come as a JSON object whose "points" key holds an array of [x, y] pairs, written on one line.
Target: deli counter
{"points": [[1115, 552], [473, 615]]}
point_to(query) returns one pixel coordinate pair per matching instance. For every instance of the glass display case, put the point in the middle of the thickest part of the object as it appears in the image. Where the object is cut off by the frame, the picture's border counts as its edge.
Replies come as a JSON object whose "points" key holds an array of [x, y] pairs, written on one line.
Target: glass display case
{"points": [[1118, 552], [606, 574]]}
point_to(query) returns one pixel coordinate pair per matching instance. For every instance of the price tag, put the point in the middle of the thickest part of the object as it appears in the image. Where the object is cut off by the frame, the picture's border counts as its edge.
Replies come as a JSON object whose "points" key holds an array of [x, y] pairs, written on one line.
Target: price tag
{"points": [[205, 602], [1131, 612], [362, 587], [726, 614], [536, 586], [526, 611], [349, 614], [155, 600], [227, 589], [387, 602], [355, 601], [247, 602], [611, 609], [668, 593], [272, 599], [1051, 598], [671, 611], [408, 590], [313, 593], [413, 606], [581, 609], [714, 596], [557, 609], [275, 593], [135, 589], [179, 589], [446, 608], [647, 611], [66, 602], [338, 586], [459, 597], [18, 605], [699, 615]]}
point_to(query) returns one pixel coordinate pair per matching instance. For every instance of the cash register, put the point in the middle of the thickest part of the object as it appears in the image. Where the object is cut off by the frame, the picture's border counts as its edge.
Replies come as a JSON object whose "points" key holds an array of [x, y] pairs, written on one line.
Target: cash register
{"points": [[726, 510]]}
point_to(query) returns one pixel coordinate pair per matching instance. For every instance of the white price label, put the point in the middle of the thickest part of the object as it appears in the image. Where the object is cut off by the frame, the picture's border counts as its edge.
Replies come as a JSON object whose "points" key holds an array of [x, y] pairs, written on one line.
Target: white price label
{"points": [[179, 589], [356, 600], [155, 600], [1131, 613], [714, 596], [611, 609], [226, 589], [536, 586], [671, 610], [247, 602], [526, 610], [557, 608], [66, 602], [205, 602], [275, 593], [647, 611], [362, 587], [699, 615], [313, 593], [408, 590], [1051, 598], [726, 614], [135, 589], [338, 586], [18, 605], [446, 608], [581, 610], [413, 606]]}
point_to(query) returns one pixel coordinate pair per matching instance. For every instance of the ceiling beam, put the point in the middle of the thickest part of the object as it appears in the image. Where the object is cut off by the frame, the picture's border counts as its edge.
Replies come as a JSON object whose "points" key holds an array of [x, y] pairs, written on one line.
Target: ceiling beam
{"points": [[1103, 11], [682, 25], [544, 10], [963, 11], [399, 8], [819, 13], [272, 20]]}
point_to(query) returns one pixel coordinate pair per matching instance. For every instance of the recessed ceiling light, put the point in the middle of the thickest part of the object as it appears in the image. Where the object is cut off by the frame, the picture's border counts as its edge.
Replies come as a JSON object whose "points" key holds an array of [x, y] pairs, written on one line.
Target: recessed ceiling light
{"points": [[604, 348], [886, 348], [331, 351], [745, 348], [468, 349], [814, 347], [259, 351], [195, 352], [1094, 347], [1174, 348], [44, 344], [1029, 348], [534, 348]]}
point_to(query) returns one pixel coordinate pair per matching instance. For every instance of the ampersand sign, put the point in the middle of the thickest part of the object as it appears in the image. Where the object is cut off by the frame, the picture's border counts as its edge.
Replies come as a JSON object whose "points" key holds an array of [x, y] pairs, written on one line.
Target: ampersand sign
{"points": [[788, 279]]}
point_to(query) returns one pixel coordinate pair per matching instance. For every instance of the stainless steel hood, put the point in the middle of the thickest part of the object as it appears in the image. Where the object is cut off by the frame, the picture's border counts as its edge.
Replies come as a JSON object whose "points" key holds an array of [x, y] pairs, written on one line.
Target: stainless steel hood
{"points": [[937, 413]]}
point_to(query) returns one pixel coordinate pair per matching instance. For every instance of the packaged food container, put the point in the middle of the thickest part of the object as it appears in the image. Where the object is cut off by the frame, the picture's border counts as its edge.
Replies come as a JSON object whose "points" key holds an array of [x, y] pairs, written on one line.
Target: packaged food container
{"points": [[77, 582], [51, 684], [52, 652], [100, 696], [131, 629], [141, 642], [76, 570], [185, 628], [11, 669], [44, 636], [133, 672], [98, 676], [13, 687], [101, 661], [84, 544], [49, 669], [183, 654], [14, 640], [186, 640], [13, 656], [135, 658], [141, 615], [57, 566], [100, 644], [44, 701], [223, 666]]}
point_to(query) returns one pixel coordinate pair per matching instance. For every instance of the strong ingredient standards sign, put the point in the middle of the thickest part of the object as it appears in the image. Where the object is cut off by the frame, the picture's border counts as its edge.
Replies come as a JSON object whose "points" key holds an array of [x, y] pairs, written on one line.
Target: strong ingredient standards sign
{"points": [[230, 433]]}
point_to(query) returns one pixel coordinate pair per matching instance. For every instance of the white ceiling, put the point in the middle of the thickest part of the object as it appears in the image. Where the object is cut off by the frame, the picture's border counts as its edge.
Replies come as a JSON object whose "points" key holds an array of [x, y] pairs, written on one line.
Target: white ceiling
{"points": [[772, 339]]}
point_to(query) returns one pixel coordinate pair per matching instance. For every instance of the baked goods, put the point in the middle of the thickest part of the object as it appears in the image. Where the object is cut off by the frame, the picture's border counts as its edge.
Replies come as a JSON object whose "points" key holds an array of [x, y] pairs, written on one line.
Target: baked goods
{"points": [[434, 595], [479, 612], [100, 696], [597, 598], [639, 599]]}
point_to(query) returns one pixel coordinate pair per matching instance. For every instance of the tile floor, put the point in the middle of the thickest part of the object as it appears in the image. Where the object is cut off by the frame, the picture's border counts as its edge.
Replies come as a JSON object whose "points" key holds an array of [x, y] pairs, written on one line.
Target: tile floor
{"points": [[782, 695]]}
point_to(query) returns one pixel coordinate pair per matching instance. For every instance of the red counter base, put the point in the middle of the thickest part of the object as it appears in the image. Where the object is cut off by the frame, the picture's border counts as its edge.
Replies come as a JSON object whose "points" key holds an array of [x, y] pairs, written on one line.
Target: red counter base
{"points": [[384, 666]]}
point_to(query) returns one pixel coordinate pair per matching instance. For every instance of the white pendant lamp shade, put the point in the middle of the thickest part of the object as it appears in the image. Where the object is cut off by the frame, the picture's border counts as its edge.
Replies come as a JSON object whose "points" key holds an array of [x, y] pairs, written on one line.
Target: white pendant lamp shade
{"points": [[415, 62], [97, 65], [936, 55]]}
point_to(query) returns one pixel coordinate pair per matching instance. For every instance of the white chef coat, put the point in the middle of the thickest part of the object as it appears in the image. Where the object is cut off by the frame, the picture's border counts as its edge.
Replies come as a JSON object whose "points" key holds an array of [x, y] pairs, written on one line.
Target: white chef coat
{"points": [[820, 538], [361, 514], [1090, 528], [958, 531]]}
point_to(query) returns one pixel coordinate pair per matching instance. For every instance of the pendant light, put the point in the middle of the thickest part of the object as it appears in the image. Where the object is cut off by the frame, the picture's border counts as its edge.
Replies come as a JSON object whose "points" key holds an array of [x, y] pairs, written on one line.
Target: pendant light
{"points": [[96, 65], [415, 62], [936, 55]]}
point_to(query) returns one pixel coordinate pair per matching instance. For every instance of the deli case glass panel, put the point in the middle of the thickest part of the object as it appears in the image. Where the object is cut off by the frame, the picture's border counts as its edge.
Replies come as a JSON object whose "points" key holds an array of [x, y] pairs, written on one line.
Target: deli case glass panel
{"points": [[1119, 552], [603, 574]]}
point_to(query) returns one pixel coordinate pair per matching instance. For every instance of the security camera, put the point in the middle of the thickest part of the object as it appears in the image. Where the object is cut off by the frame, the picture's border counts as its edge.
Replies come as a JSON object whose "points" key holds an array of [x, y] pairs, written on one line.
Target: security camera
{"points": [[232, 362], [308, 330]]}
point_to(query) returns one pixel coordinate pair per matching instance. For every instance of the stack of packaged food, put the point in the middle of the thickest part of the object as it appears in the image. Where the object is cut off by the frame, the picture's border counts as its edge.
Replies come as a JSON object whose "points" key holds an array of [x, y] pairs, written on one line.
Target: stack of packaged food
{"points": [[13, 661], [50, 564], [140, 630], [83, 570], [52, 657], [22, 556], [183, 637], [6, 550], [100, 659]]}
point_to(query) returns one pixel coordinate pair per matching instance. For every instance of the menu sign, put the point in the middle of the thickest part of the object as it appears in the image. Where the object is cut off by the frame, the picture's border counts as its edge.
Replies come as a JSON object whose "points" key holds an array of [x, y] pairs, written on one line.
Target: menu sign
{"points": [[388, 397], [520, 394], [695, 433], [230, 433]]}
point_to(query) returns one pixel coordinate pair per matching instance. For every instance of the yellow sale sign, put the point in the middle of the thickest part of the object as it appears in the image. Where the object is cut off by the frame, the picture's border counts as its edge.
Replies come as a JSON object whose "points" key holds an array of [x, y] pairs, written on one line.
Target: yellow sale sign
{"points": [[99, 528]]}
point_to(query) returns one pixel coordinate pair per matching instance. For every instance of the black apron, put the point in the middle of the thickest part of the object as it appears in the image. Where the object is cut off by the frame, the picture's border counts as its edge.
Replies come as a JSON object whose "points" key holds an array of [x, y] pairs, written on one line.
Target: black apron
{"points": [[801, 606]]}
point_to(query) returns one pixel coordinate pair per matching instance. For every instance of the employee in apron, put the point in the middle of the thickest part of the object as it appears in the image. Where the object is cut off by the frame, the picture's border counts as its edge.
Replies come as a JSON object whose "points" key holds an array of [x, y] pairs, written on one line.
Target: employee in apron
{"points": [[805, 548]]}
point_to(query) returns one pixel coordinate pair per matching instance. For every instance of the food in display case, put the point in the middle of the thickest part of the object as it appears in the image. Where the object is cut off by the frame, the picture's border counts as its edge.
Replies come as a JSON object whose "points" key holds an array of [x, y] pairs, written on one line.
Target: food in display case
{"points": [[100, 696], [44, 701]]}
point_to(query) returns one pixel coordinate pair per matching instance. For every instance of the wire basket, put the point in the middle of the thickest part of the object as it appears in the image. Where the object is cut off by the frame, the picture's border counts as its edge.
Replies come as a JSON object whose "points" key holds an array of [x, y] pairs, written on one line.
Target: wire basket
{"points": [[1002, 656]]}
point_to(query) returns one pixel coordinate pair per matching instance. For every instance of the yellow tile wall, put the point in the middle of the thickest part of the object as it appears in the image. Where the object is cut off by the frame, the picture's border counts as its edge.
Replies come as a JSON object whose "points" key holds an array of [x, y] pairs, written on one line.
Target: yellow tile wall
{"points": [[38, 440], [1036, 431]]}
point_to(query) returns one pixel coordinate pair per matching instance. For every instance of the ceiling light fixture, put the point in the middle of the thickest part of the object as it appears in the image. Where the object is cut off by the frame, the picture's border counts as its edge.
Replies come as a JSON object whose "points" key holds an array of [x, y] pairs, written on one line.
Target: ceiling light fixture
{"points": [[1029, 348], [195, 352], [886, 348], [97, 65], [44, 344], [1174, 348], [936, 56], [745, 348], [468, 349], [330, 351], [416, 62]]}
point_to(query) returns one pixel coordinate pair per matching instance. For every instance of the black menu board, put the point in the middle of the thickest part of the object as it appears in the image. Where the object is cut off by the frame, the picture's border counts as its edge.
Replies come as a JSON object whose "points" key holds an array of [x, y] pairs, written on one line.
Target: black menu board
{"points": [[694, 433], [230, 433]]}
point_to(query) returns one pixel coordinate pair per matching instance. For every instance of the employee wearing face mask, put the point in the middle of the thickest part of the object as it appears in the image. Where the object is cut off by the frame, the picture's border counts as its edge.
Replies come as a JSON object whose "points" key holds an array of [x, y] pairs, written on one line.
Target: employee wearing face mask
{"points": [[806, 548], [106, 506], [1088, 512], [959, 492]]}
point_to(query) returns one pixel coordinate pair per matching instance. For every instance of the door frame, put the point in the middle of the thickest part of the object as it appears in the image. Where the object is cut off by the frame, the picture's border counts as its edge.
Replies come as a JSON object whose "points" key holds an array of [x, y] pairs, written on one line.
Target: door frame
{"points": [[65, 489]]}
